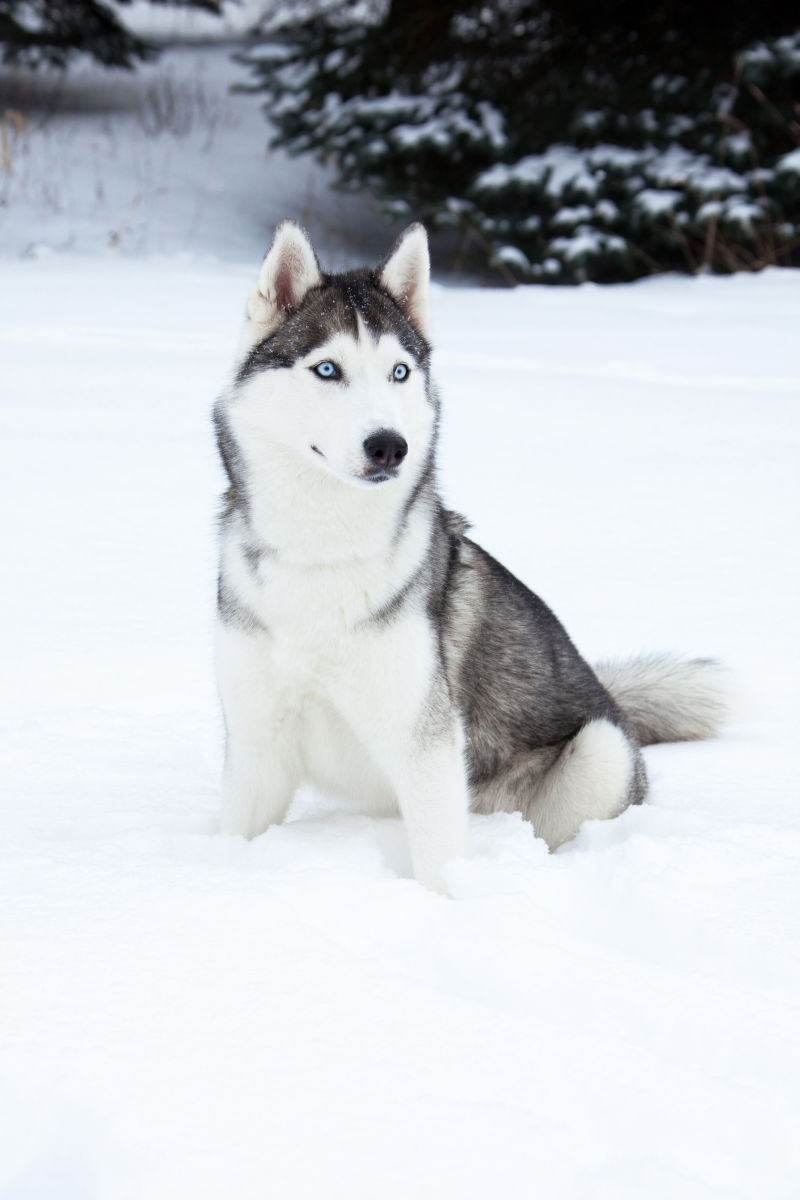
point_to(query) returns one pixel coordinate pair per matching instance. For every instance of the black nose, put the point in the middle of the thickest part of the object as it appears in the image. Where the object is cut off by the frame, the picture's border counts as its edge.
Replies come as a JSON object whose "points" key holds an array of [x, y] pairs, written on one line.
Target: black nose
{"points": [[385, 450]]}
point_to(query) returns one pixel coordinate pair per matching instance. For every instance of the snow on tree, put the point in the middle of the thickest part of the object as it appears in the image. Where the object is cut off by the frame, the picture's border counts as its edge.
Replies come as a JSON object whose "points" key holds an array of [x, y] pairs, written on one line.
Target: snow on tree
{"points": [[564, 140], [34, 32]]}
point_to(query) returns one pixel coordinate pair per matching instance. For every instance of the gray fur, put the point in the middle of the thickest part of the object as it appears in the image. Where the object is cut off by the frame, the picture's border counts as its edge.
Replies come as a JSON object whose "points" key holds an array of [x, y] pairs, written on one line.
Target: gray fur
{"points": [[334, 307], [668, 699], [395, 604], [235, 498], [425, 485], [254, 554], [521, 687], [233, 612]]}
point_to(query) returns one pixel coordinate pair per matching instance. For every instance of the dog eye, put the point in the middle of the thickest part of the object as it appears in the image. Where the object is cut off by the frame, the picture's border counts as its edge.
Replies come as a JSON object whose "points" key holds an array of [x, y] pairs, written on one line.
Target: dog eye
{"points": [[327, 370], [400, 372]]}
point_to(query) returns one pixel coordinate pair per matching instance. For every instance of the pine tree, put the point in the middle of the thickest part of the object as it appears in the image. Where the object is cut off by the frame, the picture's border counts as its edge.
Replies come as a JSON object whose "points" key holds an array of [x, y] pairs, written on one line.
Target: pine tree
{"points": [[36, 32], [565, 139]]}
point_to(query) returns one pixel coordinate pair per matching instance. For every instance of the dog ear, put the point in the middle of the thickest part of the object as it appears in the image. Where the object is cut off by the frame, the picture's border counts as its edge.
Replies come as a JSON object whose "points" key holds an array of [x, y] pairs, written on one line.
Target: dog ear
{"points": [[288, 272], [405, 273]]}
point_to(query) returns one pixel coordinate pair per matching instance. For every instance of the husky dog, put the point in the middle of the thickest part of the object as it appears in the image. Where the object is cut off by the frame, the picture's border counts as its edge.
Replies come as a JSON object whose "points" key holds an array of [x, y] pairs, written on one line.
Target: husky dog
{"points": [[365, 643]]}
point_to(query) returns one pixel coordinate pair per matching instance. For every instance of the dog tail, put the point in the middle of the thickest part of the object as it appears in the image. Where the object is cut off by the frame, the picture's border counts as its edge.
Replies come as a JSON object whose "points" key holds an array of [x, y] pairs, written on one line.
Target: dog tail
{"points": [[668, 699]]}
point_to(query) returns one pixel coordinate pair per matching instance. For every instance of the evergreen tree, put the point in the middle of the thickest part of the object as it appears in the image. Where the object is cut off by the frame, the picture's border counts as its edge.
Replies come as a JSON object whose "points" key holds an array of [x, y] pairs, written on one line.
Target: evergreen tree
{"points": [[35, 32], [567, 139]]}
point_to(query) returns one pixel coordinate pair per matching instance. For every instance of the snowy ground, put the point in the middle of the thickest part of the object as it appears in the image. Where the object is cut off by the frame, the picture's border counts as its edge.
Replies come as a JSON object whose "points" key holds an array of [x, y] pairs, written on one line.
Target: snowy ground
{"points": [[189, 1015], [184, 1015]]}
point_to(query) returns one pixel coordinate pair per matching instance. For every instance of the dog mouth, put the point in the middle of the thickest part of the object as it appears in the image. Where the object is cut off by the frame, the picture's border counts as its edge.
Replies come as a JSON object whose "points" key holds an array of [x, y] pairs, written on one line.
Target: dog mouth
{"points": [[377, 474], [368, 478]]}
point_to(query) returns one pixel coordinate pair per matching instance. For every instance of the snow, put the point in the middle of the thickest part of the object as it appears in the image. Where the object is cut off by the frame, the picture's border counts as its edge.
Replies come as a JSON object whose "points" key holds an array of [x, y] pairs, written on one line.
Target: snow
{"points": [[494, 124], [183, 1014], [784, 53], [569, 170], [238, 18], [412, 137], [511, 256], [790, 163], [187, 1014], [570, 216], [583, 241], [658, 203], [739, 146], [438, 130], [742, 212], [563, 167], [678, 166]]}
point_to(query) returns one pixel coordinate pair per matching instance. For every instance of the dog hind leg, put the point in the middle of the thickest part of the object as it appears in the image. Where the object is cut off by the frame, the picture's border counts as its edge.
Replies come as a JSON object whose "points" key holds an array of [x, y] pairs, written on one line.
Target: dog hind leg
{"points": [[594, 776]]}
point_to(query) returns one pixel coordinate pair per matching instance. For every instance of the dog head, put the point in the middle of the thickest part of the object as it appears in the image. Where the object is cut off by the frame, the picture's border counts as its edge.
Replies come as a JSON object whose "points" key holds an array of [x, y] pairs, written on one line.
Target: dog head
{"points": [[333, 369]]}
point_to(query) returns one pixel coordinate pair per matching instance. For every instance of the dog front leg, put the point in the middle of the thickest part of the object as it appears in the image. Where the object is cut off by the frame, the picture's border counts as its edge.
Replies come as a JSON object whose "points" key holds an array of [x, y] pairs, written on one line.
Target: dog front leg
{"points": [[257, 788], [260, 774], [430, 781]]}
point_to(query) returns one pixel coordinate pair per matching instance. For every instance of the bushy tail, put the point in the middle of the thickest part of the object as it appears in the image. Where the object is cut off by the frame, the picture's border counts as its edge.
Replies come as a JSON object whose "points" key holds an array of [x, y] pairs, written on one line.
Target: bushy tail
{"points": [[668, 699]]}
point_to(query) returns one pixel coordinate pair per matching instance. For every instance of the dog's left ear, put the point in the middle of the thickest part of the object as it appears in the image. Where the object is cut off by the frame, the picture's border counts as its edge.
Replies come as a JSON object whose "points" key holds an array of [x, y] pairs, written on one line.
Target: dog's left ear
{"points": [[405, 273]]}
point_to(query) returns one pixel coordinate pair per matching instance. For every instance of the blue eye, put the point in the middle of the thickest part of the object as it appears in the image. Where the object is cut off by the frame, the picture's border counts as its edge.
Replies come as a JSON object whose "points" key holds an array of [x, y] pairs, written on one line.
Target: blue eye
{"points": [[400, 373], [326, 370]]}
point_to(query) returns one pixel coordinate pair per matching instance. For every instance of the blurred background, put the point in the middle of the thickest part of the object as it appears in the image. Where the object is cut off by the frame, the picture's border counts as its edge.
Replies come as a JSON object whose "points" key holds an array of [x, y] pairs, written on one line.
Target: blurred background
{"points": [[540, 140]]}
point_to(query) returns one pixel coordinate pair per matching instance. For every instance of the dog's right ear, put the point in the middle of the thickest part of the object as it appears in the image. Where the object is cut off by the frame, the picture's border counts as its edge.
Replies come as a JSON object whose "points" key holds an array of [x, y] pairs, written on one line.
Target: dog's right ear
{"points": [[288, 272]]}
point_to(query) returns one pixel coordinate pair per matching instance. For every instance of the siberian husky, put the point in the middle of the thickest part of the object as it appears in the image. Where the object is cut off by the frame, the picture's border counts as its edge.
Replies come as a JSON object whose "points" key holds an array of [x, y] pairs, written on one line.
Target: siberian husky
{"points": [[365, 643]]}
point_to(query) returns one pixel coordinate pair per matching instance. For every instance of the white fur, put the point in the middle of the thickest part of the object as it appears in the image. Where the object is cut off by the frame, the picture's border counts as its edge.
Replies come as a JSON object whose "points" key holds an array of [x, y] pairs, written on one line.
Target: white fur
{"points": [[280, 416], [308, 702], [306, 698], [590, 780]]}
